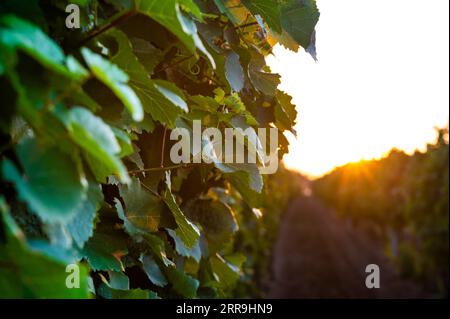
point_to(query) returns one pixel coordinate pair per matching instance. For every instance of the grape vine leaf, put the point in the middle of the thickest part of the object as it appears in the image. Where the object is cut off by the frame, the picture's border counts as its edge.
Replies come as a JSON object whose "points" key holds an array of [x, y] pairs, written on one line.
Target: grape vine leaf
{"points": [[234, 72], [97, 138], [126, 148], [51, 186], [142, 209], [191, 7], [285, 112], [233, 9], [182, 283], [148, 55], [263, 81], [247, 179], [283, 39], [29, 274], [268, 9], [217, 221], [118, 280], [81, 227], [194, 252], [154, 102], [227, 273], [17, 33], [129, 228], [104, 249], [168, 14], [32, 275], [299, 19], [172, 93], [116, 79], [158, 246], [153, 271], [186, 230]]}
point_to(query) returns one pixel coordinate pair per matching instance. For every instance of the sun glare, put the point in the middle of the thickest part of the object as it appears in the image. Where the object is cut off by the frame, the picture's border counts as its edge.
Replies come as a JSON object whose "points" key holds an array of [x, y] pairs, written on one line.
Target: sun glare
{"points": [[377, 85]]}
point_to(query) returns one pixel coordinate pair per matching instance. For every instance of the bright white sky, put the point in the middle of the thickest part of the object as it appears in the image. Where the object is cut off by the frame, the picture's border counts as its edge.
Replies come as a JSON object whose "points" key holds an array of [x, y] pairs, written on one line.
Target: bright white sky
{"points": [[381, 81]]}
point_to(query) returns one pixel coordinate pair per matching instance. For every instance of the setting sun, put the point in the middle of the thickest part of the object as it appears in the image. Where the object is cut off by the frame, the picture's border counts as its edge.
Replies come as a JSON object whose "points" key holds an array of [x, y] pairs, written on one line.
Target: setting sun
{"points": [[377, 85]]}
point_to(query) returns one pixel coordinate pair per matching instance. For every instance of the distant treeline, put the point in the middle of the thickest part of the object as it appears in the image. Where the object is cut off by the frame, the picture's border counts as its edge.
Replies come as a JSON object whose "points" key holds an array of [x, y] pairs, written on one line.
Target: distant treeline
{"points": [[405, 200]]}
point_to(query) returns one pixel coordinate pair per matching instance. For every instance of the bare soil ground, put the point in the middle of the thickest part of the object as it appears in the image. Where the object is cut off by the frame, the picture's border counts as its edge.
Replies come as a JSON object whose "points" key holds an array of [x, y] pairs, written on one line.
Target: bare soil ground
{"points": [[318, 255]]}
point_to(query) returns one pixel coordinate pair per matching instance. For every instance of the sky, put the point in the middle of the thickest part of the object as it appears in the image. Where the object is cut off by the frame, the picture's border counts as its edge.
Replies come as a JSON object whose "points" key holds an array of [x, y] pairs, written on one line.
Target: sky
{"points": [[381, 81]]}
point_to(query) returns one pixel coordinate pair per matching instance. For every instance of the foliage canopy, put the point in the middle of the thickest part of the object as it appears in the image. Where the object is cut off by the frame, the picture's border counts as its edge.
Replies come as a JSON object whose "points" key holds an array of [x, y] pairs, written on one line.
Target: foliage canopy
{"points": [[85, 116]]}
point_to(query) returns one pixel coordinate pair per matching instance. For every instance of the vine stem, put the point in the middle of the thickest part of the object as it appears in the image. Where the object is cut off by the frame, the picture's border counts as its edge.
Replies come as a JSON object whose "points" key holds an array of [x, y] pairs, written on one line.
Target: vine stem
{"points": [[245, 25], [103, 28], [163, 147], [174, 63], [158, 169], [150, 190]]}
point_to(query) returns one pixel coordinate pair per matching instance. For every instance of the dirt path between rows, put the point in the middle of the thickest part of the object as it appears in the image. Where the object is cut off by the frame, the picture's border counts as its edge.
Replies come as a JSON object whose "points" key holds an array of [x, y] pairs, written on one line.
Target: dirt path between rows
{"points": [[318, 255]]}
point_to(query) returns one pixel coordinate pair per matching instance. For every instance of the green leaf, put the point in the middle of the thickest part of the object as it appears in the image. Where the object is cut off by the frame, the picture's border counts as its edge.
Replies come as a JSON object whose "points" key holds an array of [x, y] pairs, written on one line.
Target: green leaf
{"points": [[263, 81], [311, 49], [20, 34], [136, 158], [76, 69], [81, 227], [116, 79], [147, 124], [186, 230], [79, 97], [96, 138], [246, 178], [157, 245], [126, 148], [190, 28], [130, 229], [268, 9], [182, 283], [31, 275], [104, 249], [217, 220], [234, 72], [285, 112], [233, 9], [227, 273], [191, 7], [168, 14], [11, 229], [205, 103], [153, 271], [148, 55], [118, 280], [51, 185], [172, 93], [194, 252], [154, 102], [235, 103], [299, 19], [142, 208], [28, 274], [285, 40], [254, 144], [58, 237]]}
